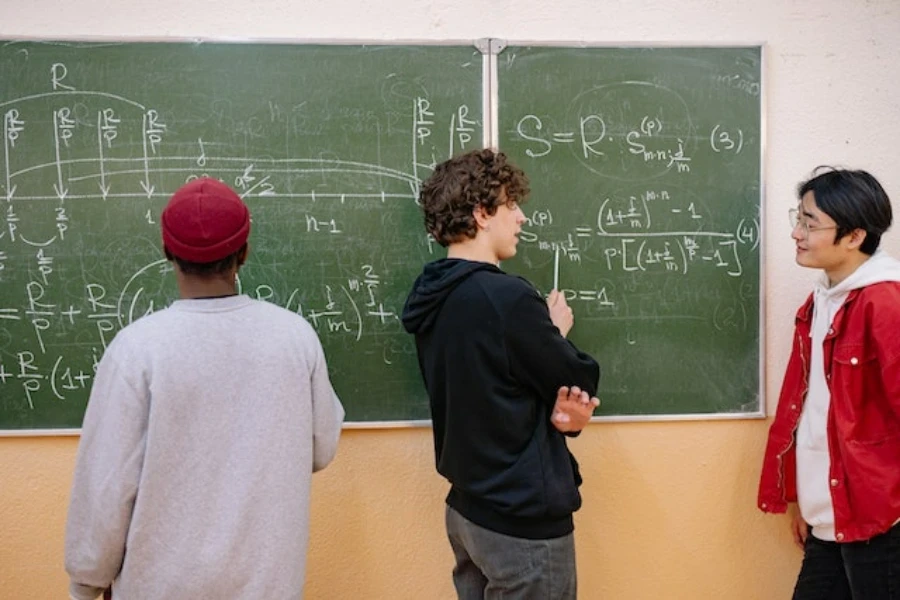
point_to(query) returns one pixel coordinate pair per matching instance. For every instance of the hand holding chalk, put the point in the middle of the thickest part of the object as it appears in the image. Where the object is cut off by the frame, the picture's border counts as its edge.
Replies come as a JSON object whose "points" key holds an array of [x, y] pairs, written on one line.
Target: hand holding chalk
{"points": [[560, 312]]}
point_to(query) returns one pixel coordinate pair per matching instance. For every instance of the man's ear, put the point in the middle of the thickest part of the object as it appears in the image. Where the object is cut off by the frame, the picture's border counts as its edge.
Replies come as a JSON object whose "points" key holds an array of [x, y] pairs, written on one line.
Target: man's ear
{"points": [[242, 255], [855, 238], [481, 217]]}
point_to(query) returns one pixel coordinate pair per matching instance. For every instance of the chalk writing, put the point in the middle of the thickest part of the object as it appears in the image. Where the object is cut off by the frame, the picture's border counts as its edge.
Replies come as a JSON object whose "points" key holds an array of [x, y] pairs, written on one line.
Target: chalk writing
{"points": [[644, 169], [331, 181]]}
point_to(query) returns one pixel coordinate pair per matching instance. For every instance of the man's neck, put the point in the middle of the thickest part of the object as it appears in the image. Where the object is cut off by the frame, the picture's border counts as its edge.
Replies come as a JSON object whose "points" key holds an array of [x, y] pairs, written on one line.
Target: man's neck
{"points": [[191, 286], [472, 250], [846, 268]]}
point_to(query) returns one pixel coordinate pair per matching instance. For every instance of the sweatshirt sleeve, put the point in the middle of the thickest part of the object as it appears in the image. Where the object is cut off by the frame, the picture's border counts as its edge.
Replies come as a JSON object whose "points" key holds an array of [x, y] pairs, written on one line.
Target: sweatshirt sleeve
{"points": [[540, 356], [107, 470], [328, 414]]}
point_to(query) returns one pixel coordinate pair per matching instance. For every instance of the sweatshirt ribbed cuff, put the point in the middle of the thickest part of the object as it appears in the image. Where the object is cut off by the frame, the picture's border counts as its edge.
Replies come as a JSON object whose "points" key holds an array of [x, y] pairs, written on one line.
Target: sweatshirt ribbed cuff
{"points": [[78, 591]]}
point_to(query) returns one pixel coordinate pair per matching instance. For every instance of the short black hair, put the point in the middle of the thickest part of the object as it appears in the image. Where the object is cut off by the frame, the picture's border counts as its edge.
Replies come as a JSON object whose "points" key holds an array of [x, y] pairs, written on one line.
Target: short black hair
{"points": [[854, 199], [217, 267]]}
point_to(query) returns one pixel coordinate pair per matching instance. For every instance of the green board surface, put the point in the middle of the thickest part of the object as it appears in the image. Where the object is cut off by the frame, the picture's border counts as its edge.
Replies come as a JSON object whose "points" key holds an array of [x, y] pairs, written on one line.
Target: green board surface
{"points": [[645, 175], [326, 143], [645, 170]]}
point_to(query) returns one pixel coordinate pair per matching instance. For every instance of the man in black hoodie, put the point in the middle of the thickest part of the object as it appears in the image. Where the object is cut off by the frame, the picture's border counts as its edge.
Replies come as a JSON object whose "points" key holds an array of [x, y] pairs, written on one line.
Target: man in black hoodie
{"points": [[498, 371]]}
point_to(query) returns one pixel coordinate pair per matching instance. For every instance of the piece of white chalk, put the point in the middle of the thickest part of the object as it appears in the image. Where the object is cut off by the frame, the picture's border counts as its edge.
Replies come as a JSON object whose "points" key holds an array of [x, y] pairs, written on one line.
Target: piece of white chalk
{"points": [[556, 270]]}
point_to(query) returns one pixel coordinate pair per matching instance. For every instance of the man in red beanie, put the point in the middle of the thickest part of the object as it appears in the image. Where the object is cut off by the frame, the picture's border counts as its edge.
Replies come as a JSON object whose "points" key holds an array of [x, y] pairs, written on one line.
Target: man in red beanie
{"points": [[205, 423]]}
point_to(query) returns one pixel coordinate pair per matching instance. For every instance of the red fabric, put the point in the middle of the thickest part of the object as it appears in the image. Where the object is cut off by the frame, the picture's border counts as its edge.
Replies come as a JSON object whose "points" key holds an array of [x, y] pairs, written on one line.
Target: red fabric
{"points": [[205, 221], [862, 368]]}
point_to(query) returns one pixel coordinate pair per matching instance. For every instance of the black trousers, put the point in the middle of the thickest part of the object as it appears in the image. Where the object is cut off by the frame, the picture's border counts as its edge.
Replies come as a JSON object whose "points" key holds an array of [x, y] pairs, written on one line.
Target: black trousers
{"points": [[868, 570]]}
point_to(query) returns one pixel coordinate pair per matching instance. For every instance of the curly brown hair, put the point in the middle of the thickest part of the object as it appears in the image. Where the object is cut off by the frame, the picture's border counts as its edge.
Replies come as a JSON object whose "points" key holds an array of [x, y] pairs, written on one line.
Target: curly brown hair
{"points": [[458, 186]]}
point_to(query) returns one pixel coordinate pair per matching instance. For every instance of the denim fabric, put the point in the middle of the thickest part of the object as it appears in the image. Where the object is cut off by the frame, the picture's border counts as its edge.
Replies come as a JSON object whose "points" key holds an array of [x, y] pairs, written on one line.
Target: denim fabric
{"points": [[867, 570], [490, 565]]}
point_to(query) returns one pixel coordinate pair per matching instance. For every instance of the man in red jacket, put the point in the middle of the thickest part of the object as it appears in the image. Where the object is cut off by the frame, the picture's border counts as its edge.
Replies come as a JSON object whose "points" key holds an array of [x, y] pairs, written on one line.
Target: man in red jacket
{"points": [[833, 454]]}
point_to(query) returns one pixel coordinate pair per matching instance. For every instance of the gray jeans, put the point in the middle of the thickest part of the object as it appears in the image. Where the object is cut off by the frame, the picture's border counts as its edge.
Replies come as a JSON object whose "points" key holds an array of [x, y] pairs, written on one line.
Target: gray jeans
{"points": [[490, 565]]}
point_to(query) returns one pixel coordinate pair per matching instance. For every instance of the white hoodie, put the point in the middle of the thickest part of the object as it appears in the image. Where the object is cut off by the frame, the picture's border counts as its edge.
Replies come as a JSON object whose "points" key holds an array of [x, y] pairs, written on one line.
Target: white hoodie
{"points": [[813, 462]]}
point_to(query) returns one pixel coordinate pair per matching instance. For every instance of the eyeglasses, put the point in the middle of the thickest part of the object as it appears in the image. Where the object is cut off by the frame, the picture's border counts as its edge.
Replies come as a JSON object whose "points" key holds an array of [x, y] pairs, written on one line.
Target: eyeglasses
{"points": [[794, 216]]}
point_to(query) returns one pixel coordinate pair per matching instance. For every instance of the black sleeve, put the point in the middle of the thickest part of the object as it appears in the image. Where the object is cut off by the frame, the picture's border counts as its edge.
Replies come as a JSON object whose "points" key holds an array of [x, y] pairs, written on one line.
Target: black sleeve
{"points": [[540, 357]]}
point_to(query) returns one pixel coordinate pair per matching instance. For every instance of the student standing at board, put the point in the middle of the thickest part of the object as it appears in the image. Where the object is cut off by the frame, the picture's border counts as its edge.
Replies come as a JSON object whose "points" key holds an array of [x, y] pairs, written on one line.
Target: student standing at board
{"points": [[833, 454], [494, 358], [205, 423]]}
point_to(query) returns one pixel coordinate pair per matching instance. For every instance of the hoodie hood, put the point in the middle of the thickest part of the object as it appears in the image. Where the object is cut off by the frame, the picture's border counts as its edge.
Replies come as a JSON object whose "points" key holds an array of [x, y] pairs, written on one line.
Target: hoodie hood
{"points": [[880, 267], [433, 286]]}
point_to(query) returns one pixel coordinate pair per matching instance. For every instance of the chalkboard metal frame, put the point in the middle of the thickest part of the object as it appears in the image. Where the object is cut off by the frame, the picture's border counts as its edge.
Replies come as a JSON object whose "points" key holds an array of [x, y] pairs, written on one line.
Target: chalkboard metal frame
{"points": [[490, 49]]}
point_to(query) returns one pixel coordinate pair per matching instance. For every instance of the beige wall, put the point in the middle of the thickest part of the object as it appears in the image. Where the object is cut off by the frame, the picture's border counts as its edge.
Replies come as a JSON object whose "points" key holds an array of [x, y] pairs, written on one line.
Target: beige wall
{"points": [[669, 507]]}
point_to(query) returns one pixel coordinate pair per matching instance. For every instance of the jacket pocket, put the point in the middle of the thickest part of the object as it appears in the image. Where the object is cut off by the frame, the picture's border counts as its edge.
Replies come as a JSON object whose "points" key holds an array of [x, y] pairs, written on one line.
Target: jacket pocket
{"points": [[855, 373], [860, 401], [853, 355], [871, 468]]}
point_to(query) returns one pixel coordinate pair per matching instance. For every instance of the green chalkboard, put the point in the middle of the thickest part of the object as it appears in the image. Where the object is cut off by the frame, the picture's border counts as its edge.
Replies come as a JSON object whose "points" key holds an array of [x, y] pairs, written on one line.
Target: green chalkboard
{"points": [[326, 143], [645, 171]]}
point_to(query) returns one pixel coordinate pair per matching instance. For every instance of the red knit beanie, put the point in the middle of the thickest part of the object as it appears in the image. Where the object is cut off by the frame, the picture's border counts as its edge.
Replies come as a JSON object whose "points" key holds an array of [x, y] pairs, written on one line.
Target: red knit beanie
{"points": [[205, 221]]}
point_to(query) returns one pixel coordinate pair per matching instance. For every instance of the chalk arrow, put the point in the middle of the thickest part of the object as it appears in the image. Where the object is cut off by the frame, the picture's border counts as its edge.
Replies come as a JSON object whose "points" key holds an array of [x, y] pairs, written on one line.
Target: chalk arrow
{"points": [[61, 192], [147, 188], [104, 188]]}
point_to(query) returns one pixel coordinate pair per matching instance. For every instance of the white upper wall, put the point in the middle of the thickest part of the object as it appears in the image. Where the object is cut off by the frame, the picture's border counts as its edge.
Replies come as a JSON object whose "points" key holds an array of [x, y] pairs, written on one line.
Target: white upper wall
{"points": [[832, 73]]}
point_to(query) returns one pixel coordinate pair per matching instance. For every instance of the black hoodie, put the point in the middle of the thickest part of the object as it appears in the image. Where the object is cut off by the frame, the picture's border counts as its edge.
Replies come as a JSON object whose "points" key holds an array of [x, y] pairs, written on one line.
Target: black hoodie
{"points": [[492, 361]]}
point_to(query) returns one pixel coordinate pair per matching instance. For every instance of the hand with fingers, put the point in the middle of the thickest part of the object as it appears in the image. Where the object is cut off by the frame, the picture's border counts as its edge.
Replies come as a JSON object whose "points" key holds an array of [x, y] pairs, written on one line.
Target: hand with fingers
{"points": [[573, 409], [799, 527]]}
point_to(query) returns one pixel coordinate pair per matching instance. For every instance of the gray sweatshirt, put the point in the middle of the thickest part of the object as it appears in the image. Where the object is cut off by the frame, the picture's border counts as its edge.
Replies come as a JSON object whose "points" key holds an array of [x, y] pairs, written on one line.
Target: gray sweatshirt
{"points": [[205, 423]]}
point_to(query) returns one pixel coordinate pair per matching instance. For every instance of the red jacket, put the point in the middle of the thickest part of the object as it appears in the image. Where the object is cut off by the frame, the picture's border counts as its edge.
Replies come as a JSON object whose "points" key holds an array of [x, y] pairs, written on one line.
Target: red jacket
{"points": [[862, 367]]}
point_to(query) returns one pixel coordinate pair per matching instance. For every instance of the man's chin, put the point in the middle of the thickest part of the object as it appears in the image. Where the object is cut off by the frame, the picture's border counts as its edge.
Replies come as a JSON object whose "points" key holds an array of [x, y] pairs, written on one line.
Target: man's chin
{"points": [[802, 259]]}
